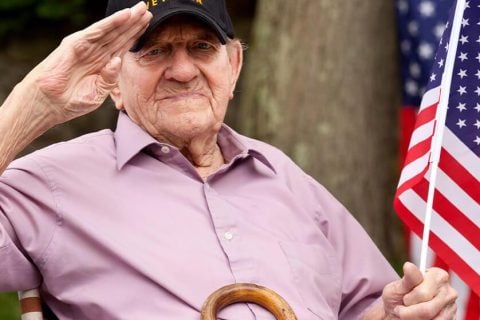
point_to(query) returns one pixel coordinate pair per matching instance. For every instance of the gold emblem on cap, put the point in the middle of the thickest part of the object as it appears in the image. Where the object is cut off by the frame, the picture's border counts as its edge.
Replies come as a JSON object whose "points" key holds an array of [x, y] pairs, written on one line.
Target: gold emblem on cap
{"points": [[153, 3]]}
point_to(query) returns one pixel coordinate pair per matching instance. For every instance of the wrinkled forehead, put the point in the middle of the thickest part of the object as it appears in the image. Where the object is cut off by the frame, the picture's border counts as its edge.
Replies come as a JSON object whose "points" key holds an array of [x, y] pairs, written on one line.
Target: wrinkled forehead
{"points": [[182, 28]]}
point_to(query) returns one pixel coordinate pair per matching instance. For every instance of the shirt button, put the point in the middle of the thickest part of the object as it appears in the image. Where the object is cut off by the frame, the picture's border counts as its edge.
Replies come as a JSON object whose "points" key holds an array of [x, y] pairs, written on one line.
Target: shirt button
{"points": [[165, 149], [228, 235]]}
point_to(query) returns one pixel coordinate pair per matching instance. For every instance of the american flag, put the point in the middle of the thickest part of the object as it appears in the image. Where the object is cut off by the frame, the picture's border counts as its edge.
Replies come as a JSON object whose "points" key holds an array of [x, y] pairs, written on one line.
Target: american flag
{"points": [[420, 27], [456, 219]]}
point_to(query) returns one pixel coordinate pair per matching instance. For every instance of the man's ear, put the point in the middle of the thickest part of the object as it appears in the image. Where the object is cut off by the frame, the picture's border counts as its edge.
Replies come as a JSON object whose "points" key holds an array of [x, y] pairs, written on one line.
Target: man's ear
{"points": [[235, 55], [117, 98]]}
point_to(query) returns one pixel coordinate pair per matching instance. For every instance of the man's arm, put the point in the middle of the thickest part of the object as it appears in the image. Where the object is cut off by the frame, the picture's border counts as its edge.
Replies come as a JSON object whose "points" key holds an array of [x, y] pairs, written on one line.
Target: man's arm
{"points": [[416, 297], [73, 80]]}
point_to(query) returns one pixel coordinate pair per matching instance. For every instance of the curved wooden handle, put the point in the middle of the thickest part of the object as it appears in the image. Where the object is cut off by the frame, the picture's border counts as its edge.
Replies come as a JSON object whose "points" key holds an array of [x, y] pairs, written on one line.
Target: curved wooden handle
{"points": [[246, 292]]}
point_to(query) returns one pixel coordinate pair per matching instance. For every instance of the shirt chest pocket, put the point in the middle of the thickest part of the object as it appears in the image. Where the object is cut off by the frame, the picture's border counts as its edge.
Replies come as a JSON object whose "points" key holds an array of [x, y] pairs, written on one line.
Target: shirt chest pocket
{"points": [[316, 275]]}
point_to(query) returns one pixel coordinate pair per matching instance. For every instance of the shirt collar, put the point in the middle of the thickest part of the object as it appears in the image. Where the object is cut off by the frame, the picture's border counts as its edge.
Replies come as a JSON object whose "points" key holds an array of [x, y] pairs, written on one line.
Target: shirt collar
{"points": [[235, 145], [130, 140], [230, 145]]}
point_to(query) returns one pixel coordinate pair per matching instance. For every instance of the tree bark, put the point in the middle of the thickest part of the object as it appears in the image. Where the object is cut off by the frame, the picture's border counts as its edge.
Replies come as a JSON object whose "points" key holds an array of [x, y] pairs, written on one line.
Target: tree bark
{"points": [[322, 84]]}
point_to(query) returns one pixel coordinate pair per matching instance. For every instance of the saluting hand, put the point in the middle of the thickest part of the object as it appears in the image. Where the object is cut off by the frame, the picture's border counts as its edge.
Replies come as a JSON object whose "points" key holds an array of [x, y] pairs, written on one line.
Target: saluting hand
{"points": [[78, 76]]}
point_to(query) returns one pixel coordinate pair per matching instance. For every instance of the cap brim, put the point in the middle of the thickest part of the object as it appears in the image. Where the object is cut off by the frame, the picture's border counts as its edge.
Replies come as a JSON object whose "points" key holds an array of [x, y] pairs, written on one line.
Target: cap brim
{"points": [[158, 19]]}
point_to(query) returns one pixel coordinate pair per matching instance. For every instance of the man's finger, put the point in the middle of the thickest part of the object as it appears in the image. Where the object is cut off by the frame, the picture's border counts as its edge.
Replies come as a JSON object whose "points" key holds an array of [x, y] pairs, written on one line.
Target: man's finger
{"points": [[447, 313], [412, 277], [441, 307], [121, 50], [119, 20], [94, 43], [107, 80], [117, 29], [129, 37], [435, 280]]}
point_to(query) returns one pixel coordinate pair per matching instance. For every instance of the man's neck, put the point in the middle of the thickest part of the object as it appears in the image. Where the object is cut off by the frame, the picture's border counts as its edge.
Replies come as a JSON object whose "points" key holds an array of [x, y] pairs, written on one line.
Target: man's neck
{"points": [[202, 151], [206, 157]]}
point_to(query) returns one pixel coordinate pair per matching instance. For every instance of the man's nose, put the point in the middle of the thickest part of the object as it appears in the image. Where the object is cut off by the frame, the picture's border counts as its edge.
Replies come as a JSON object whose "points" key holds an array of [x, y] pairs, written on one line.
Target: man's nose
{"points": [[182, 67]]}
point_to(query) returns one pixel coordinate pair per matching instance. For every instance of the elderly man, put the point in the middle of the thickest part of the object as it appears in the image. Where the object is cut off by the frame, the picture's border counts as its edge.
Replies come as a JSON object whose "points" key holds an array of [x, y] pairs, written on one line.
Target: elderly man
{"points": [[145, 222]]}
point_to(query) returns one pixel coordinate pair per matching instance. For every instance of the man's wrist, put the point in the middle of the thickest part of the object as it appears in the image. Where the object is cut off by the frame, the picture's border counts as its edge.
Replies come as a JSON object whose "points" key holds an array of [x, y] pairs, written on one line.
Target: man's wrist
{"points": [[376, 312], [22, 119]]}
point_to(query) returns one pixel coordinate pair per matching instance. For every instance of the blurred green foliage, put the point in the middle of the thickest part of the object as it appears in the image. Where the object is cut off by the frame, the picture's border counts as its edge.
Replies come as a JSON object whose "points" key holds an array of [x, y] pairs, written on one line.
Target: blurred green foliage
{"points": [[49, 9], [20, 16], [9, 306]]}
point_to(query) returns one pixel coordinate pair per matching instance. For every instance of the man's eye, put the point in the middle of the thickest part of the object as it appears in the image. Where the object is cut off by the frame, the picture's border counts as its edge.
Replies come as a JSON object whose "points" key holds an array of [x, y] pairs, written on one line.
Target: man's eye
{"points": [[203, 46], [155, 52]]}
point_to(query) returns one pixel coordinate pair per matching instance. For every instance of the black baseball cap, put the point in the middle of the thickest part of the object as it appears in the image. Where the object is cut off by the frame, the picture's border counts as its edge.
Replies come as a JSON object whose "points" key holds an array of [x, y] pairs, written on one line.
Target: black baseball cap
{"points": [[212, 12]]}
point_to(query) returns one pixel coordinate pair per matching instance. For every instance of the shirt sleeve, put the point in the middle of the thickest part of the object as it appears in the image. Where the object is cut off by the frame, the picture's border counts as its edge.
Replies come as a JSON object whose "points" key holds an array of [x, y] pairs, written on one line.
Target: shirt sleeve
{"points": [[28, 218], [365, 271]]}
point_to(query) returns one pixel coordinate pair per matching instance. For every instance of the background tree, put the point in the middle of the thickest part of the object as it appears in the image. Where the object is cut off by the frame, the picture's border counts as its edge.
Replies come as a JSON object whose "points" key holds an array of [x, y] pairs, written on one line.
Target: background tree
{"points": [[322, 85]]}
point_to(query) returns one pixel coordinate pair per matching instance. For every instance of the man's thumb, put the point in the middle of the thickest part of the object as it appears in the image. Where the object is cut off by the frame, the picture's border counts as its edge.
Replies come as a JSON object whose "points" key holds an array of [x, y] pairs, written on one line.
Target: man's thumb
{"points": [[107, 80], [412, 277]]}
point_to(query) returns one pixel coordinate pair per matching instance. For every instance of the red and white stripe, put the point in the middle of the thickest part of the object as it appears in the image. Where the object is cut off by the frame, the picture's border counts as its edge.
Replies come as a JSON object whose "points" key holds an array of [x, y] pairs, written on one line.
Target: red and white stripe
{"points": [[456, 209]]}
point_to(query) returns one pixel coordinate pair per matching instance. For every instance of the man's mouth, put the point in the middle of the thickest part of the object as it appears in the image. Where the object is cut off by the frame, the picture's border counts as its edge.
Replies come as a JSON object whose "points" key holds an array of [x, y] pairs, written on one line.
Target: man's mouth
{"points": [[184, 96]]}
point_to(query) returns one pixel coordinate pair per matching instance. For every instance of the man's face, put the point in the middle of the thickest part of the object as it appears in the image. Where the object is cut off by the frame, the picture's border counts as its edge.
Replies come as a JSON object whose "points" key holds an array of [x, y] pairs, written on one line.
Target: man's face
{"points": [[179, 84]]}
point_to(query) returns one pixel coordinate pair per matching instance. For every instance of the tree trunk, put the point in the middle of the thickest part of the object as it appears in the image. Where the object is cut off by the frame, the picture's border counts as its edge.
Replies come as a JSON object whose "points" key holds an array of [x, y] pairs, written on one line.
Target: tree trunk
{"points": [[322, 84]]}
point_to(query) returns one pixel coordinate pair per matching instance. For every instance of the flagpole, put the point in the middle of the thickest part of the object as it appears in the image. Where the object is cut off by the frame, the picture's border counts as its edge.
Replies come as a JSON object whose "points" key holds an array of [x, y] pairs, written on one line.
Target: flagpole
{"points": [[440, 119]]}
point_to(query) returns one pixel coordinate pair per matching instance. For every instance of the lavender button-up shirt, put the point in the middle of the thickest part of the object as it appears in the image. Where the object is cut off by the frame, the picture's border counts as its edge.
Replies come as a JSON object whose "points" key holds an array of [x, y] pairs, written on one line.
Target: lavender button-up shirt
{"points": [[115, 225]]}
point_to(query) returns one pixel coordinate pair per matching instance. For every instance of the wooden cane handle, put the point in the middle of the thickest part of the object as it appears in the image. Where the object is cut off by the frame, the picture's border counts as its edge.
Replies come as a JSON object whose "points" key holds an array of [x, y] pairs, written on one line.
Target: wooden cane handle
{"points": [[246, 292]]}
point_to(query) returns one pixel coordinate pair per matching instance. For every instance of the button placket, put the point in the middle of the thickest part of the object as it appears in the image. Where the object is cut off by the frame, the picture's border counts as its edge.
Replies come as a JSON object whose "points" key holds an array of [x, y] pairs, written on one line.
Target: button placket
{"points": [[229, 235], [222, 225]]}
